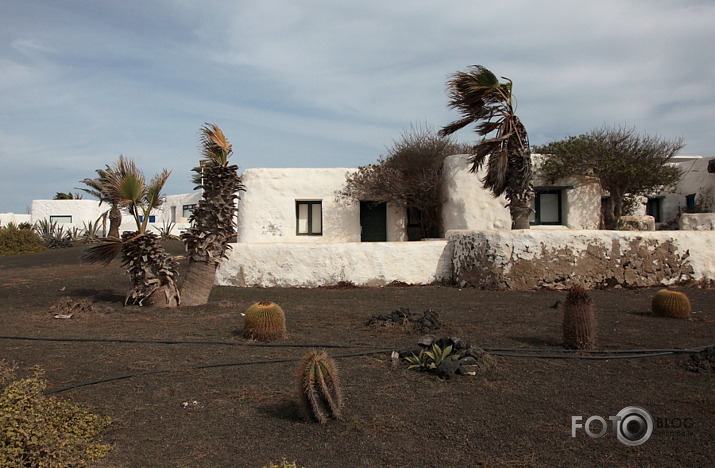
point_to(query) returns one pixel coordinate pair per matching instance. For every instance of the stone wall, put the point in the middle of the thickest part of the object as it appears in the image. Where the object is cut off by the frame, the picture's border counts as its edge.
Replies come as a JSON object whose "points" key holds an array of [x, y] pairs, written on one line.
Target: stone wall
{"points": [[533, 259], [312, 265]]}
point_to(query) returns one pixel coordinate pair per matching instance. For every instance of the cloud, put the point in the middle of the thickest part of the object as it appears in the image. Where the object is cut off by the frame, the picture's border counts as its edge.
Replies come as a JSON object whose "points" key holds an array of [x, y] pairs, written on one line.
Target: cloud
{"points": [[325, 83]]}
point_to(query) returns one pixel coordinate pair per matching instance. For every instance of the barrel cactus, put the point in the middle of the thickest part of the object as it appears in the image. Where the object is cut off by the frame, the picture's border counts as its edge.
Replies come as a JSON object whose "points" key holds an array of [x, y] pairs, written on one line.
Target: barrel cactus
{"points": [[579, 320], [318, 387], [264, 321], [669, 303]]}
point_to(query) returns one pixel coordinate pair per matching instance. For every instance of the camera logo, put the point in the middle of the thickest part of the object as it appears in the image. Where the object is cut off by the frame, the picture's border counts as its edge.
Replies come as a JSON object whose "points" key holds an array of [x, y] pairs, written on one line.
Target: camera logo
{"points": [[632, 426]]}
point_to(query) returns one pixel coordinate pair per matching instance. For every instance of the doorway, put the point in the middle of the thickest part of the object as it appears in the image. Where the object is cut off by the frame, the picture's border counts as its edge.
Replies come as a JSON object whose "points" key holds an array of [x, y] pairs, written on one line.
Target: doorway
{"points": [[373, 221]]}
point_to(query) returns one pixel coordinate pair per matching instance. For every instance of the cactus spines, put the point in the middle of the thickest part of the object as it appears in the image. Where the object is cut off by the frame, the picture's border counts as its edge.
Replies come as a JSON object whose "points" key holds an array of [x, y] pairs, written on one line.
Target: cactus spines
{"points": [[264, 321], [318, 387], [669, 303], [579, 321]]}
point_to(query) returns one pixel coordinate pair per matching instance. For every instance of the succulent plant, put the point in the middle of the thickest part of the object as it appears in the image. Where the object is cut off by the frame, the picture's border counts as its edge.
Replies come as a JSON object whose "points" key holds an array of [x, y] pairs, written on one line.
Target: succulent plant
{"points": [[319, 395], [669, 303], [579, 320], [264, 321]]}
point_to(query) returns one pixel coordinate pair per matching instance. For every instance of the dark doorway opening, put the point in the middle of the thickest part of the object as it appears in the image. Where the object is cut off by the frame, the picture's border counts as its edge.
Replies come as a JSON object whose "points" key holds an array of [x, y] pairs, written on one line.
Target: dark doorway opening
{"points": [[373, 221]]}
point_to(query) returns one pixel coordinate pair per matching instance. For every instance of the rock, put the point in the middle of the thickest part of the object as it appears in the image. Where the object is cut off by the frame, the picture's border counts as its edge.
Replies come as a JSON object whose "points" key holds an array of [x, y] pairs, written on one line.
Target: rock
{"points": [[447, 368], [426, 340], [468, 370]]}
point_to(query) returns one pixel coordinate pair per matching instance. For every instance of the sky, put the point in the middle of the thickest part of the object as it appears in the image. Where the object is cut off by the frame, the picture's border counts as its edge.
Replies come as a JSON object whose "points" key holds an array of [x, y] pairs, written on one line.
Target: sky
{"points": [[326, 83]]}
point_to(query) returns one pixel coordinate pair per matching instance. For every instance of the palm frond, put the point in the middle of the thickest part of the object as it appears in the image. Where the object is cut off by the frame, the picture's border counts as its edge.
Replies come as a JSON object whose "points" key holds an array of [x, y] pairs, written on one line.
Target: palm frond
{"points": [[214, 145], [156, 185], [104, 252]]}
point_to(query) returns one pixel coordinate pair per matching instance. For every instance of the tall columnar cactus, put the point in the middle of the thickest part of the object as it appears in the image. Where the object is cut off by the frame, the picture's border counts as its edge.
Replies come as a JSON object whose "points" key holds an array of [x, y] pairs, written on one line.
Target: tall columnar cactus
{"points": [[673, 304], [318, 387], [579, 321], [264, 321]]}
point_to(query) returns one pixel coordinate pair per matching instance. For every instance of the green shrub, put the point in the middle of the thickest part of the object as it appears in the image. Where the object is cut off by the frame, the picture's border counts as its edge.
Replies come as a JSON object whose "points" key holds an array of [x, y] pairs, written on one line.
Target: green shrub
{"points": [[14, 240], [43, 431]]}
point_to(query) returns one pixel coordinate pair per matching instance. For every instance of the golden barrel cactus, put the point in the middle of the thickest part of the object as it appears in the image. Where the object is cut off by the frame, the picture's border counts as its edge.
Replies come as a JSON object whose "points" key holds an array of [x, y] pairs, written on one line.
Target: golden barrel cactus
{"points": [[264, 321], [669, 303]]}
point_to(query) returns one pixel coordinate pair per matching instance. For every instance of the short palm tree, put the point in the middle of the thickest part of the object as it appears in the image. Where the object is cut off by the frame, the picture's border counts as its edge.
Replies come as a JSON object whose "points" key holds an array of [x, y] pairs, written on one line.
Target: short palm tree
{"points": [[213, 221], [104, 188], [481, 99], [152, 270]]}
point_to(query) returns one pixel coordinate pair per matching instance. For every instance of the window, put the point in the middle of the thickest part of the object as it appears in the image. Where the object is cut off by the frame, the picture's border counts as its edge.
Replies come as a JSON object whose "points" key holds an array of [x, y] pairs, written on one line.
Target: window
{"points": [[690, 202], [152, 218], [61, 219], [309, 218], [654, 208], [547, 206], [186, 210], [414, 217]]}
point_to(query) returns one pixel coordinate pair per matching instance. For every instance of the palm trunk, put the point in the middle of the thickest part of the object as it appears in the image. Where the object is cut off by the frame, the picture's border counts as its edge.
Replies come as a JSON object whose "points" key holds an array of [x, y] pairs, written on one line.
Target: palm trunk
{"points": [[115, 220], [199, 281], [165, 296], [520, 211]]}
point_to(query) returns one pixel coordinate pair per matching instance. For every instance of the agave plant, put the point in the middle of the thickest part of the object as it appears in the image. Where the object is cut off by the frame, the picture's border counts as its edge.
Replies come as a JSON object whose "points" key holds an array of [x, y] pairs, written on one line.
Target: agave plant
{"points": [[429, 360], [213, 221], [152, 270]]}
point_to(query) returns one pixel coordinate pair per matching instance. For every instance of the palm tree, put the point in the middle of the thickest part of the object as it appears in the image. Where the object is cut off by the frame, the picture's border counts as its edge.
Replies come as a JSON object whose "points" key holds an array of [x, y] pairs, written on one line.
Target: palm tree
{"points": [[104, 187], [213, 221], [152, 270], [481, 99]]}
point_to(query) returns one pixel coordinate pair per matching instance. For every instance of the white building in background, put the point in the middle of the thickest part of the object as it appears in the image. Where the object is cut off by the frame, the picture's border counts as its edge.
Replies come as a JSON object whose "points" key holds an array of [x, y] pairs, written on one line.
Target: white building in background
{"points": [[71, 214], [303, 206]]}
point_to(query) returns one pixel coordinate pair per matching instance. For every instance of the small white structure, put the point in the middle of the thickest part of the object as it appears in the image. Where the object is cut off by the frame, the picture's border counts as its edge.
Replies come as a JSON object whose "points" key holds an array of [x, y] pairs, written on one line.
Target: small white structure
{"points": [[302, 205], [7, 218], [571, 203], [70, 214], [694, 193]]}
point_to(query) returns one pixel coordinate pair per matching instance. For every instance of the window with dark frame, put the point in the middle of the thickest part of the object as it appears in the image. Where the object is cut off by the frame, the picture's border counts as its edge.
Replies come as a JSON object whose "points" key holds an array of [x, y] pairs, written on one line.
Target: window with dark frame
{"points": [[309, 218], [547, 206], [186, 210], [61, 219]]}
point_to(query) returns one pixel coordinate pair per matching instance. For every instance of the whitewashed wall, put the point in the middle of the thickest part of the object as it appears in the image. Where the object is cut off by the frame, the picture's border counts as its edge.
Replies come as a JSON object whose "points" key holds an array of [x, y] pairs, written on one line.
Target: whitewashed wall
{"points": [[467, 205], [312, 265], [266, 211], [7, 218], [81, 211], [696, 180]]}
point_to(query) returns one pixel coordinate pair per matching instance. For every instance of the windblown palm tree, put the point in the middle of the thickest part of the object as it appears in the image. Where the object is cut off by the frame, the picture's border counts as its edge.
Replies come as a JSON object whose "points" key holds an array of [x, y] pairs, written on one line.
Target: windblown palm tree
{"points": [[213, 221], [152, 270], [104, 187], [481, 99]]}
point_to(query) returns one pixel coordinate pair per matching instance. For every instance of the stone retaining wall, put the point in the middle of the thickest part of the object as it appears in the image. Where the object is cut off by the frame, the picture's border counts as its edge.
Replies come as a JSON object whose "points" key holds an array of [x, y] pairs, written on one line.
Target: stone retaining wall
{"points": [[531, 259]]}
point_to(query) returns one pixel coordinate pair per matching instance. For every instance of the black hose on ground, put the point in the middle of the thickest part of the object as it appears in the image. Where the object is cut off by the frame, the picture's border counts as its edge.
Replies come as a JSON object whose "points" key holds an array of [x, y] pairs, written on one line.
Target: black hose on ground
{"points": [[539, 353]]}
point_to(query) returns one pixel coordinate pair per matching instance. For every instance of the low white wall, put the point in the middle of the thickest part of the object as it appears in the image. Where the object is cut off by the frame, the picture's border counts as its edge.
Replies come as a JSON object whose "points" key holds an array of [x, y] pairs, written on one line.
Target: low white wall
{"points": [[697, 222], [529, 259], [312, 265], [7, 218]]}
